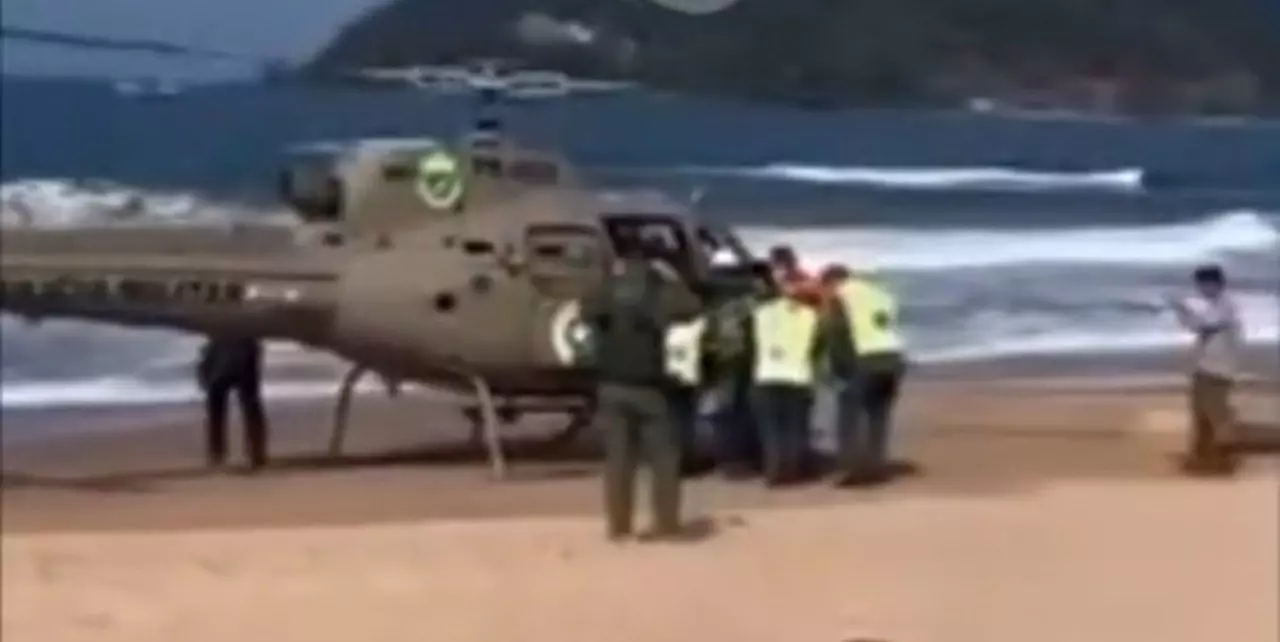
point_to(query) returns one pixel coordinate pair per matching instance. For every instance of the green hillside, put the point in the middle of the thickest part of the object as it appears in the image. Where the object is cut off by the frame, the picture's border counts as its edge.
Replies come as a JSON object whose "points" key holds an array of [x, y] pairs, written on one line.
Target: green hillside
{"points": [[1130, 55]]}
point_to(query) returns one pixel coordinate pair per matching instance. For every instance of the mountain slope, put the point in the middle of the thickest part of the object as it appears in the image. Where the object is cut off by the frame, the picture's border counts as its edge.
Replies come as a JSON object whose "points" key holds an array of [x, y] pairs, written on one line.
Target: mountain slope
{"points": [[822, 52]]}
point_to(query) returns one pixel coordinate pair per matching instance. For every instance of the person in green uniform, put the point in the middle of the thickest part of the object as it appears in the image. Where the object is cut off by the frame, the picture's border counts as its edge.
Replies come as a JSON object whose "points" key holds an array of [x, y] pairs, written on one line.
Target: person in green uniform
{"points": [[869, 360], [735, 435], [629, 317]]}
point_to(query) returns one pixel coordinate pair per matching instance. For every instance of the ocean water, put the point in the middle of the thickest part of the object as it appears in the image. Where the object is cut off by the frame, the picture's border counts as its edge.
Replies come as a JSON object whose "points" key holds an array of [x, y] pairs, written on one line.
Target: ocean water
{"points": [[1005, 237]]}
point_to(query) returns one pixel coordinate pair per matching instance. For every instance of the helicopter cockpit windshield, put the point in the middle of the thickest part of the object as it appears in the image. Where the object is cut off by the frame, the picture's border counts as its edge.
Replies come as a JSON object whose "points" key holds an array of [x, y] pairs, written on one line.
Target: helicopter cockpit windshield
{"points": [[722, 248], [310, 184], [731, 264], [656, 237]]}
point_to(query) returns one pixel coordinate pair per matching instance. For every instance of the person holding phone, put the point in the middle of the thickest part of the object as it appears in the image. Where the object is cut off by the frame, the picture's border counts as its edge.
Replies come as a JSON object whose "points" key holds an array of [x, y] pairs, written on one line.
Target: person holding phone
{"points": [[1212, 317]]}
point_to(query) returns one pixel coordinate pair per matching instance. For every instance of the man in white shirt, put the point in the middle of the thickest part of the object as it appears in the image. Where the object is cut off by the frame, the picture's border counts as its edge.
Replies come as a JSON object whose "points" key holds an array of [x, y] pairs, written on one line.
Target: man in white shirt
{"points": [[1212, 317]]}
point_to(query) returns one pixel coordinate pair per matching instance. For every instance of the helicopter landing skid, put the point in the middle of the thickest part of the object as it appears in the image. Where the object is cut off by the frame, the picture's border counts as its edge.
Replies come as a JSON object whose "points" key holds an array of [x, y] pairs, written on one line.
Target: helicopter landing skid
{"points": [[342, 409], [485, 424], [513, 409]]}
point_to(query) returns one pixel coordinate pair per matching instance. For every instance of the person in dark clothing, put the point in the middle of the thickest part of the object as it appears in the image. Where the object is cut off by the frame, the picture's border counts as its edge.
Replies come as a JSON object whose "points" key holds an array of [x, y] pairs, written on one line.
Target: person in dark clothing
{"points": [[629, 317], [683, 404], [233, 365], [737, 449]]}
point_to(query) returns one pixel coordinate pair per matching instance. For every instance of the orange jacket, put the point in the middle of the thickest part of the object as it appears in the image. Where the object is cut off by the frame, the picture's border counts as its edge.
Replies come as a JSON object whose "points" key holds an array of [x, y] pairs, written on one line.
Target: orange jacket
{"points": [[801, 286]]}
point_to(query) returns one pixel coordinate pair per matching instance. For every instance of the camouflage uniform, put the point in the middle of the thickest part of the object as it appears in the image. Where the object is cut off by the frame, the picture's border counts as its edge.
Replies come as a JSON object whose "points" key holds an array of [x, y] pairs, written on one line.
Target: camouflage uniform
{"points": [[628, 318], [736, 438]]}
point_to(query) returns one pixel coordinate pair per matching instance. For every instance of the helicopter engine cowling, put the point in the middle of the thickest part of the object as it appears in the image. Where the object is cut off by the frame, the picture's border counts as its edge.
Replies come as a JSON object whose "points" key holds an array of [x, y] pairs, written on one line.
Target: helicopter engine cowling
{"points": [[383, 317], [420, 311]]}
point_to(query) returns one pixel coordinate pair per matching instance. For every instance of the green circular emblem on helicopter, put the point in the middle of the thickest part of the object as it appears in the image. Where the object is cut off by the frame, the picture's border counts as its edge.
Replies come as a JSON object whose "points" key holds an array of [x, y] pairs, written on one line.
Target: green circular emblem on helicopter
{"points": [[440, 182]]}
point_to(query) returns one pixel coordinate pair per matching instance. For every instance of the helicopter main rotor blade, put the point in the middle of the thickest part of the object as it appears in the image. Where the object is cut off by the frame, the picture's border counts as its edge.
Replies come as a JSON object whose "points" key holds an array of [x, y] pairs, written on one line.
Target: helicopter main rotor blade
{"points": [[147, 45]]}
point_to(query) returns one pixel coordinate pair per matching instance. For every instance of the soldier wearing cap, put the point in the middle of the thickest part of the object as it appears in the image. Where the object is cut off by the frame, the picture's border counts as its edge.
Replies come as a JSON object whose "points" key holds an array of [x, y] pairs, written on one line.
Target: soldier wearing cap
{"points": [[628, 318]]}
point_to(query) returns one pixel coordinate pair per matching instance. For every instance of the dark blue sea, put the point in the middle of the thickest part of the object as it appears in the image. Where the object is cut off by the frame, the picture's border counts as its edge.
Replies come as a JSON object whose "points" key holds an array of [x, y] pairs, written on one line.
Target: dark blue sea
{"points": [[1006, 236]]}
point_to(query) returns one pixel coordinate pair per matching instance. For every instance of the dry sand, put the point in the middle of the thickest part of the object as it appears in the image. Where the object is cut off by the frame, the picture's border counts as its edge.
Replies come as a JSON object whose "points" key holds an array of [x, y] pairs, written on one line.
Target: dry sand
{"points": [[1041, 514]]}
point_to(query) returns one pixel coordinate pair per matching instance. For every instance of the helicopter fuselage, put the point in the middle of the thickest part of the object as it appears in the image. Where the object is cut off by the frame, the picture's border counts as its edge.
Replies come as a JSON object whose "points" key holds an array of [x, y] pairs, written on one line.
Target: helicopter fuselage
{"points": [[485, 290], [362, 304]]}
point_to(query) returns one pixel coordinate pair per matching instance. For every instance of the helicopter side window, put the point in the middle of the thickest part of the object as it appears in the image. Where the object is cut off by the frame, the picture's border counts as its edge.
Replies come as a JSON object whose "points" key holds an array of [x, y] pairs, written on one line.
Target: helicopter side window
{"points": [[564, 260], [313, 192], [486, 166], [558, 248], [555, 252]]}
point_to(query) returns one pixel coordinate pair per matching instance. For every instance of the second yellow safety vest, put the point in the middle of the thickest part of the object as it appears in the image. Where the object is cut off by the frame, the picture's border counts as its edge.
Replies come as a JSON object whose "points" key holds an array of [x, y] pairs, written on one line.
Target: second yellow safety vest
{"points": [[873, 317], [684, 351], [785, 331]]}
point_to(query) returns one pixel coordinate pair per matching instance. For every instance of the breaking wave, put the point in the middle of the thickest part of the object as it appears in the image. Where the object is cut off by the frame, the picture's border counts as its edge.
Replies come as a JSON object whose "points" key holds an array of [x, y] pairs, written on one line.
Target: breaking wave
{"points": [[887, 248], [975, 294], [54, 202], [969, 293], [940, 178]]}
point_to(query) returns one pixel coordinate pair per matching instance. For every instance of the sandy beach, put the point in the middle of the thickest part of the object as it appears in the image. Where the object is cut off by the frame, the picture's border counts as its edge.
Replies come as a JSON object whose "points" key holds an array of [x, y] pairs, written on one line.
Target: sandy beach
{"points": [[1045, 509]]}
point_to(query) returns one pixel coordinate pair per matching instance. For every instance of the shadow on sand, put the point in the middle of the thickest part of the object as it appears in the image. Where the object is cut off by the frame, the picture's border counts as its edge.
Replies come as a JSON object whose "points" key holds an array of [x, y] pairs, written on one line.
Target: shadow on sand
{"points": [[955, 465], [550, 461], [13, 481], [528, 460], [1260, 438]]}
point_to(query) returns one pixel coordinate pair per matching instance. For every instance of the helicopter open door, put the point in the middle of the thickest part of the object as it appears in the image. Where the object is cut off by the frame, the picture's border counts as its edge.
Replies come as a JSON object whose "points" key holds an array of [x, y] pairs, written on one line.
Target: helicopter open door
{"points": [[730, 265], [568, 261], [661, 239]]}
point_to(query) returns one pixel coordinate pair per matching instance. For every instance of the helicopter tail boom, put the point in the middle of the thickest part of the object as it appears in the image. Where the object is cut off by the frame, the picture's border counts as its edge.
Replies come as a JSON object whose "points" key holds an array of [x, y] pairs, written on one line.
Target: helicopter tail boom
{"points": [[170, 279]]}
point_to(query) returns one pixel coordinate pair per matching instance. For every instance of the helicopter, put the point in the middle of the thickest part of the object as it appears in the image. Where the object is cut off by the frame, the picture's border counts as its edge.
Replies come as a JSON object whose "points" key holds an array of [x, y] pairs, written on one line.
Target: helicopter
{"points": [[457, 266]]}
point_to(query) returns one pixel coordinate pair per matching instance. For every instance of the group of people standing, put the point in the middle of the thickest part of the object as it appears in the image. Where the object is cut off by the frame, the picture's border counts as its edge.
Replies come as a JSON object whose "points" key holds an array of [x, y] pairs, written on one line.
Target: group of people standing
{"points": [[752, 368]]}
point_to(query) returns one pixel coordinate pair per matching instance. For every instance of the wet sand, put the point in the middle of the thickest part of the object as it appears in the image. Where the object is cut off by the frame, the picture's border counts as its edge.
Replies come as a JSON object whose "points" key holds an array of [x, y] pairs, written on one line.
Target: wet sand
{"points": [[1042, 511]]}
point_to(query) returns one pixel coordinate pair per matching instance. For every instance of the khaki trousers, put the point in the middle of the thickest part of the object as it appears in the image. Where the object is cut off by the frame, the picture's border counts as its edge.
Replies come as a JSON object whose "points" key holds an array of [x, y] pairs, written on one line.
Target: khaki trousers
{"points": [[1213, 437]]}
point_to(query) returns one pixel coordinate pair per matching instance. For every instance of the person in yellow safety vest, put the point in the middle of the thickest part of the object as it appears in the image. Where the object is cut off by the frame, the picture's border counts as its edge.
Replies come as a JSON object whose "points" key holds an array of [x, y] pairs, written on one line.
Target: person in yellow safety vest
{"points": [[869, 359], [686, 367], [785, 345]]}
